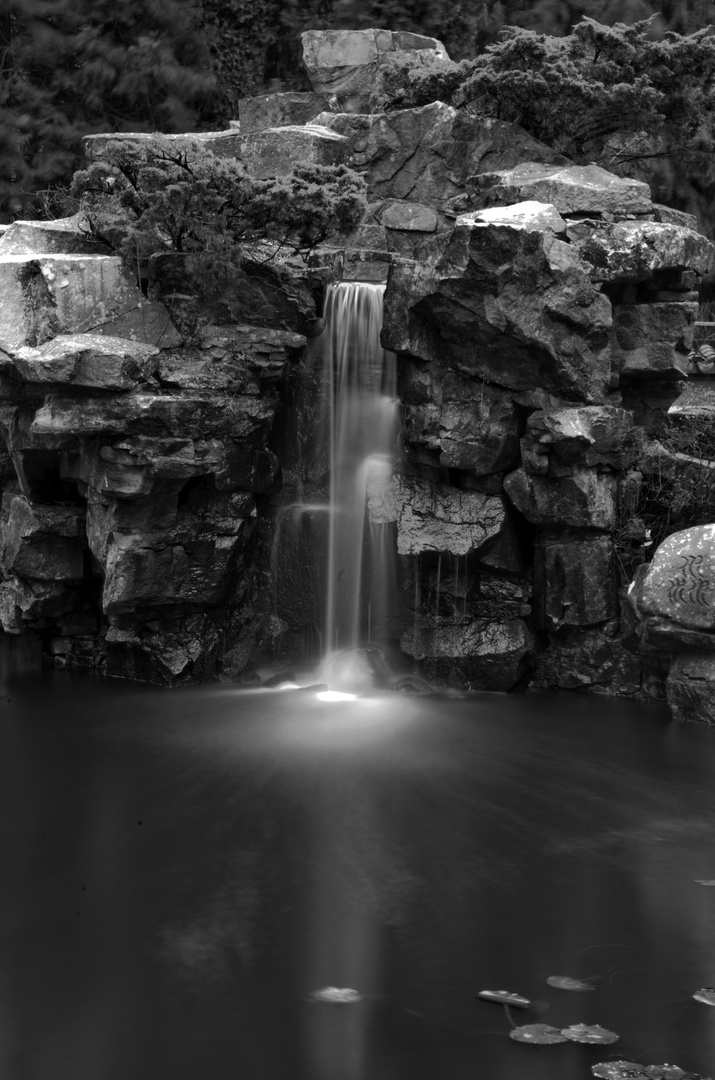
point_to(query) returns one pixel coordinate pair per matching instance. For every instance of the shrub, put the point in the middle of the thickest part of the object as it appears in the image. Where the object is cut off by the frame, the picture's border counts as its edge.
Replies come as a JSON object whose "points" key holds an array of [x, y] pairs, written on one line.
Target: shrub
{"points": [[155, 196]]}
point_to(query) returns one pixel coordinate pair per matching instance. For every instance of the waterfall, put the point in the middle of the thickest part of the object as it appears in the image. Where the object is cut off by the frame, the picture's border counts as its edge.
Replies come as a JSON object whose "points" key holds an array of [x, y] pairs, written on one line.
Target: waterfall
{"points": [[363, 433]]}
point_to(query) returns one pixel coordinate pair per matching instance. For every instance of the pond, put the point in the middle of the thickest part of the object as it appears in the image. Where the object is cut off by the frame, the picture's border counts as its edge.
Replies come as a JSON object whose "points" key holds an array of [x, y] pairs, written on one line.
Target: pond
{"points": [[183, 869]]}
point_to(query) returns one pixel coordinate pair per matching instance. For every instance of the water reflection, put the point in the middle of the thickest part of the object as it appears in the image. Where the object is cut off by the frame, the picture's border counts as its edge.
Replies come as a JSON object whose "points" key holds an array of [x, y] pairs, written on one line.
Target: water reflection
{"points": [[188, 867]]}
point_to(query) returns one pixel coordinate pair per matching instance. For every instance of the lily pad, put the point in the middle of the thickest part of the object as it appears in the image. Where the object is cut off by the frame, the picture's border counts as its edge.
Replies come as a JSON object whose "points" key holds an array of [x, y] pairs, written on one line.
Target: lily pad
{"points": [[589, 1033], [334, 995], [706, 995], [671, 1072], [537, 1033], [633, 1070], [504, 997], [565, 982], [619, 1070]]}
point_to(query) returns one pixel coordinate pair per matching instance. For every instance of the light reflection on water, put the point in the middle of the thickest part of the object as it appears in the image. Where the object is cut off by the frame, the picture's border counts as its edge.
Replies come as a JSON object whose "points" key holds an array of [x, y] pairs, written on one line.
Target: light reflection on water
{"points": [[187, 867]]}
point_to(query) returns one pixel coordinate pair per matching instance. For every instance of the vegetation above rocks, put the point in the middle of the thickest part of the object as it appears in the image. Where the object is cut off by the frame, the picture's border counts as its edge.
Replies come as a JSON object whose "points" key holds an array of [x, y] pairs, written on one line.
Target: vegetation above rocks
{"points": [[637, 104], [155, 196]]}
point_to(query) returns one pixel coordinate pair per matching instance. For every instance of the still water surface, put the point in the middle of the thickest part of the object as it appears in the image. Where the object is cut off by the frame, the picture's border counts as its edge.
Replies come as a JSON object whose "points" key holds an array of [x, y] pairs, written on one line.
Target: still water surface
{"points": [[181, 869]]}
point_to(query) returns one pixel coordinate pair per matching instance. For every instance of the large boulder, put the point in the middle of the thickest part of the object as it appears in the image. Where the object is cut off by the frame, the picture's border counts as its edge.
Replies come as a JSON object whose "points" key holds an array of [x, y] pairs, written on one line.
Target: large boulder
{"points": [[636, 250], [680, 584], [429, 154], [504, 300], [652, 341], [44, 542], [574, 581], [480, 654], [275, 151], [46, 295], [191, 565], [344, 63], [583, 498], [572, 189], [89, 360], [557, 439]]}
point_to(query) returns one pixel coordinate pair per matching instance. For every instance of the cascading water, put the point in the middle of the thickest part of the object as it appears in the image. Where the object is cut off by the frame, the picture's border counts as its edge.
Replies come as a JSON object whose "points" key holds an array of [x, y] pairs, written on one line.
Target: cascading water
{"points": [[363, 433], [334, 572]]}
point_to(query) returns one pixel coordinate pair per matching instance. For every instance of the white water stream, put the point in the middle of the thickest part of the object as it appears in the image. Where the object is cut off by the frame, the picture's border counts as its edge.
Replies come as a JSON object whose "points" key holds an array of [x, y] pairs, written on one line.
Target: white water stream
{"points": [[364, 430]]}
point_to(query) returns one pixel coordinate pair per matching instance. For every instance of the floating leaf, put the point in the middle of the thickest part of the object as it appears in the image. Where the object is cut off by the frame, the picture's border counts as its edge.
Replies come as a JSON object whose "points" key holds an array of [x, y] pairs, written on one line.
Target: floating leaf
{"points": [[707, 881], [619, 1070], [589, 1033], [334, 995], [632, 1070], [706, 995], [537, 1033], [565, 982], [504, 997], [671, 1072]]}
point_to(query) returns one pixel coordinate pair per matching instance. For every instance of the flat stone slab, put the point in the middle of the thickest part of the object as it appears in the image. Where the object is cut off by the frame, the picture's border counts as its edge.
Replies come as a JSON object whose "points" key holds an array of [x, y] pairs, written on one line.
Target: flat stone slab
{"points": [[680, 584], [572, 189]]}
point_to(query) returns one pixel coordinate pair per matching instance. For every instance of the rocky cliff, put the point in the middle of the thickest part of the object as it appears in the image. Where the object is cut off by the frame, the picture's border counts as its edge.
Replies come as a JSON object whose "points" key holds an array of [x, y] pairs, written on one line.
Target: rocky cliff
{"points": [[542, 315]]}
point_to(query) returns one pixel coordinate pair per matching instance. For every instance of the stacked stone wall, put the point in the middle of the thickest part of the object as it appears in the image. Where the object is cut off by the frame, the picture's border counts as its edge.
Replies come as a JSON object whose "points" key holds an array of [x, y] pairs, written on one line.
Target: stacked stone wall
{"points": [[542, 314]]}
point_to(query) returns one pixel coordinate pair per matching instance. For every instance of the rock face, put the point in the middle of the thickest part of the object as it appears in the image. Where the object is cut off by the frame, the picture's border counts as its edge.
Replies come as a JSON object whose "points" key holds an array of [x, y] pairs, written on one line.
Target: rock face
{"points": [[431, 154], [542, 315], [129, 519], [507, 302]]}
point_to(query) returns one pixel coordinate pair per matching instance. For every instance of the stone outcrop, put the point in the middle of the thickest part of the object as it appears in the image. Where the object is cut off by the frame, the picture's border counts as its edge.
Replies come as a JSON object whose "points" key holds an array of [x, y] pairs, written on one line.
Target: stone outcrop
{"points": [[542, 315], [343, 64], [129, 521], [505, 301], [430, 155]]}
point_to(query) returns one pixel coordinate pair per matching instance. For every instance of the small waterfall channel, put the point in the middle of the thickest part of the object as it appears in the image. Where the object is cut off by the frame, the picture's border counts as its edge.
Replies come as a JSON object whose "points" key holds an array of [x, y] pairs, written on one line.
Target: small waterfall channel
{"points": [[336, 572], [363, 432]]}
